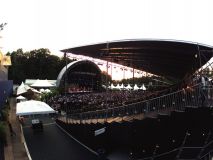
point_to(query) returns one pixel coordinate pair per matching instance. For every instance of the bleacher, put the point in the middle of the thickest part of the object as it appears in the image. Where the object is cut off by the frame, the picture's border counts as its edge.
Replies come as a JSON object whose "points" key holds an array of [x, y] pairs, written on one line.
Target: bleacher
{"points": [[180, 135]]}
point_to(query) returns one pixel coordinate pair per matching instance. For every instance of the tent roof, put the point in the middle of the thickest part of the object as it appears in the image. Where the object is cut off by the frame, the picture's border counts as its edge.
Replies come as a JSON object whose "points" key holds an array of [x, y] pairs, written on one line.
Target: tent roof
{"points": [[169, 58], [20, 97], [33, 107], [136, 87], [31, 81], [22, 89], [128, 86], [41, 83], [143, 87]]}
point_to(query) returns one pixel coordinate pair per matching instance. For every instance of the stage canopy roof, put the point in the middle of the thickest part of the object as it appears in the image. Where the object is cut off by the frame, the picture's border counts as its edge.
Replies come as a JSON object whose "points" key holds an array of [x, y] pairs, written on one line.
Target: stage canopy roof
{"points": [[168, 58], [33, 107]]}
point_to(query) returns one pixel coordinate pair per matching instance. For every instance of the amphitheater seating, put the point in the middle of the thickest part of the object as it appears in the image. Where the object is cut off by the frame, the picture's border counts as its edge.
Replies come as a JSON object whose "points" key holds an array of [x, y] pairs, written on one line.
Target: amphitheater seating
{"points": [[180, 135]]}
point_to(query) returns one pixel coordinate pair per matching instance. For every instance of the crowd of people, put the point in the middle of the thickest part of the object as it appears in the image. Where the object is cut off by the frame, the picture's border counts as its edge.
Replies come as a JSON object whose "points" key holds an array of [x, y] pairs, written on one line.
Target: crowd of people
{"points": [[80, 102], [83, 102]]}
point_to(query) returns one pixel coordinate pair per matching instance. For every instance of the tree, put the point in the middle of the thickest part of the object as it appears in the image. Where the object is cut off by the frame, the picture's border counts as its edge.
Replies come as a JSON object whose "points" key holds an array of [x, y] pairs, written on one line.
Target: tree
{"points": [[105, 78], [36, 64]]}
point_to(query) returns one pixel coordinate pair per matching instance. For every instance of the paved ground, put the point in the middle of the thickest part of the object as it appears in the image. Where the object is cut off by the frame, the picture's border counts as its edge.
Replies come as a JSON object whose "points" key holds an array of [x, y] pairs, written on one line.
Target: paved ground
{"points": [[15, 147], [53, 144]]}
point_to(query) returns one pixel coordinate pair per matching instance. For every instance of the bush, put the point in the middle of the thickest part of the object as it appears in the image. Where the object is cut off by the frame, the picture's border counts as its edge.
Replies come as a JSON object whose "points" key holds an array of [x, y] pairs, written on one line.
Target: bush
{"points": [[3, 133], [4, 114]]}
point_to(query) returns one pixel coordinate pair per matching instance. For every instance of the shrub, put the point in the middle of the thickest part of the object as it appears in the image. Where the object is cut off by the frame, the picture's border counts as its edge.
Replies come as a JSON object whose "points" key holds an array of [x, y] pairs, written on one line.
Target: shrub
{"points": [[4, 114], [3, 132]]}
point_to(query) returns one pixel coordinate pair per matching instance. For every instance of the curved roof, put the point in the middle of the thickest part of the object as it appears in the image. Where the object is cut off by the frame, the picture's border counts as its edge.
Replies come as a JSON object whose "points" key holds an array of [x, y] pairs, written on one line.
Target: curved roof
{"points": [[169, 58], [71, 66]]}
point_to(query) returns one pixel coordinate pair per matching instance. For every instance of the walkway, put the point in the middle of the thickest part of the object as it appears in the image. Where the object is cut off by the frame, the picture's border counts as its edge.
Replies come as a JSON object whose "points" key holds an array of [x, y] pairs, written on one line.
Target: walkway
{"points": [[53, 144], [15, 149]]}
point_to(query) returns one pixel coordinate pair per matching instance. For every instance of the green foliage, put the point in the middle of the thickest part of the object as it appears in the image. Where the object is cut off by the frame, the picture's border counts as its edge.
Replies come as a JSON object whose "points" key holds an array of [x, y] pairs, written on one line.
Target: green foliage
{"points": [[4, 113], [105, 78], [36, 64], [2, 132], [45, 96]]}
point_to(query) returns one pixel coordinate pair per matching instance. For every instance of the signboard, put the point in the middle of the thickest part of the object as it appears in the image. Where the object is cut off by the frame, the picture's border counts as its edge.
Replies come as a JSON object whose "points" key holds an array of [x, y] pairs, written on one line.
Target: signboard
{"points": [[100, 131]]}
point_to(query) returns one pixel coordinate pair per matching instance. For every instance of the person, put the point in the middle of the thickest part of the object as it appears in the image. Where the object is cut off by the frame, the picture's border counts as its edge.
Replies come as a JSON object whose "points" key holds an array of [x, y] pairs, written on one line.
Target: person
{"points": [[12, 133], [21, 120]]}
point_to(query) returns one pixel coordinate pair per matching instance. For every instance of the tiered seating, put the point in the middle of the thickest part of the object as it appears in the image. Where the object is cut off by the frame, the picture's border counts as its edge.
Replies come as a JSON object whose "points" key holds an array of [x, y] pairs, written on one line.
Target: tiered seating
{"points": [[93, 101], [181, 135]]}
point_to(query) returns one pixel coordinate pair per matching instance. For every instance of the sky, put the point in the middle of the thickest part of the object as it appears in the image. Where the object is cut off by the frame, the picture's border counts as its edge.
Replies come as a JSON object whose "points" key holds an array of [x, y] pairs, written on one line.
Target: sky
{"points": [[60, 24]]}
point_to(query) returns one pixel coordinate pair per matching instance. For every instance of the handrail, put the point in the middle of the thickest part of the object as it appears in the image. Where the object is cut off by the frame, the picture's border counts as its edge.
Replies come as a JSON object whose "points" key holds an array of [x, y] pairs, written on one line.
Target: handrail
{"points": [[159, 155], [211, 151], [179, 97], [207, 154], [140, 101], [178, 148]]}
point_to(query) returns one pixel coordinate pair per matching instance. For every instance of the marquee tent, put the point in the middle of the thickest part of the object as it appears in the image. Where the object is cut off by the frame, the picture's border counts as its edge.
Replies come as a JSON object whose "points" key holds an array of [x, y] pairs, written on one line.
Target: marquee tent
{"points": [[22, 89], [143, 87], [33, 107], [112, 86], [42, 83], [121, 86], [128, 87], [20, 98], [136, 87]]}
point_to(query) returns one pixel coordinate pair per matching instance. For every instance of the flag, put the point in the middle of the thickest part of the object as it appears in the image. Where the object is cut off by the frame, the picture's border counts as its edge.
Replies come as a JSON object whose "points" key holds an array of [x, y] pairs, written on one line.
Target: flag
{"points": [[6, 61]]}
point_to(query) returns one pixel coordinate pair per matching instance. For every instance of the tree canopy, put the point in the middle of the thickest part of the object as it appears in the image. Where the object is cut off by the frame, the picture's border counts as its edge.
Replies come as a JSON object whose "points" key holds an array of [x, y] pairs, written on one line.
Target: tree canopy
{"points": [[35, 64]]}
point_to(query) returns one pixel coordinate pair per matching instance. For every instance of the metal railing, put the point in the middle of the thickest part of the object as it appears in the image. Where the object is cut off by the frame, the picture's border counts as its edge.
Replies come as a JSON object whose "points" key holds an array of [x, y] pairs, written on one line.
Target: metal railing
{"points": [[207, 156], [191, 96]]}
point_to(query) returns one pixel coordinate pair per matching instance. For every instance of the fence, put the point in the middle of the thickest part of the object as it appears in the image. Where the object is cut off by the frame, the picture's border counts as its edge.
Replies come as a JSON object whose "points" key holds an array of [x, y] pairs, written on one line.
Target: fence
{"points": [[191, 96], [207, 156]]}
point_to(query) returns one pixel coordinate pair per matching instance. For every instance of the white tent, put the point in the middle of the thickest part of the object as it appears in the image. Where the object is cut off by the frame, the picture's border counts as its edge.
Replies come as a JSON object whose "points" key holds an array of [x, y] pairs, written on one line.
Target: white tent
{"points": [[22, 89], [117, 87], [122, 86], [136, 87], [143, 87], [41, 90], [128, 87], [42, 83], [47, 90], [20, 98], [33, 107], [112, 86]]}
